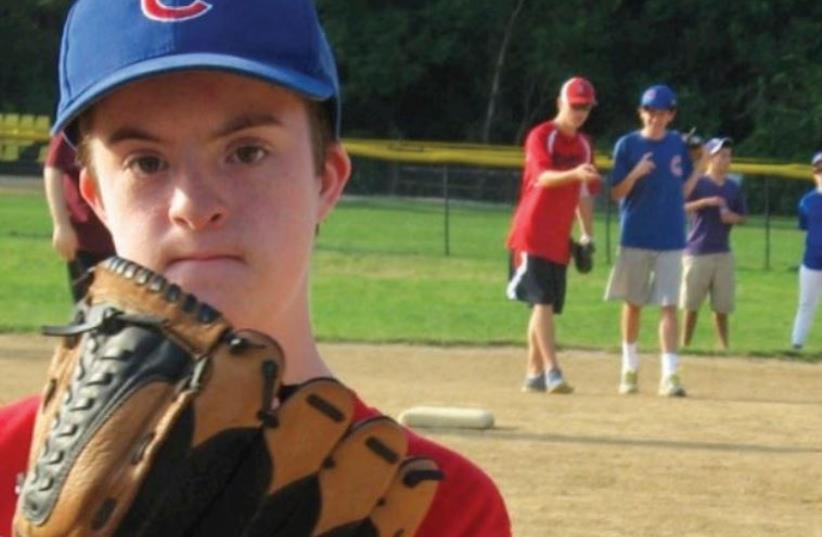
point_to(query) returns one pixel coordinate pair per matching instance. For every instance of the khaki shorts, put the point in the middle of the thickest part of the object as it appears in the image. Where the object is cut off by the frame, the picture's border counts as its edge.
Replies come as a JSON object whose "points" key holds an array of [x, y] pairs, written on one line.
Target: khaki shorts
{"points": [[711, 273], [641, 277]]}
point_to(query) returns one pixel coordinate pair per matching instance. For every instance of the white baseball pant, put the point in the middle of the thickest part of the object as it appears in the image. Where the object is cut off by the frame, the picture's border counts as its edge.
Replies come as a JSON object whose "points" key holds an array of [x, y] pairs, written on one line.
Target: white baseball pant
{"points": [[810, 291]]}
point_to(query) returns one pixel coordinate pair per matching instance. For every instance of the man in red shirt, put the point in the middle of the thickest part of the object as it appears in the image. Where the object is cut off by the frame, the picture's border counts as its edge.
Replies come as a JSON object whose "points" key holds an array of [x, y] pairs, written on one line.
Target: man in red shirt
{"points": [[212, 158], [78, 236], [558, 181]]}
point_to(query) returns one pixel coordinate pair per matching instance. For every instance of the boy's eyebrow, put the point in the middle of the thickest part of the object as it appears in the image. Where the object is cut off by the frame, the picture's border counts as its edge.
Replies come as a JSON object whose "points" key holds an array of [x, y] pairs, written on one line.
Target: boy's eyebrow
{"points": [[130, 133], [233, 125], [246, 122]]}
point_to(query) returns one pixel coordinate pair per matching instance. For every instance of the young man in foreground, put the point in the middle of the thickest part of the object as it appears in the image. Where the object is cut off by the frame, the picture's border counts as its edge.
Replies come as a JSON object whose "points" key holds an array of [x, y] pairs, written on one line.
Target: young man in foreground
{"points": [[208, 135], [558, 181]]}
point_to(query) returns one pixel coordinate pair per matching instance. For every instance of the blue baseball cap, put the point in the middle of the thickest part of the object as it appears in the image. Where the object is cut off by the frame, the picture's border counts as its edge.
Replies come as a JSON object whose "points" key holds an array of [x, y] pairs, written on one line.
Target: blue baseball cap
{"points": [[109, 43], [817, 159], [659, 97]]}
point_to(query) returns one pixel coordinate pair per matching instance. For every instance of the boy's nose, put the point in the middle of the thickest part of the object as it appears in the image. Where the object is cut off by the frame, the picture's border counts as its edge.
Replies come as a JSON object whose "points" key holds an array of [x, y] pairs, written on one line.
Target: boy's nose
{"points": [[196, 204]]}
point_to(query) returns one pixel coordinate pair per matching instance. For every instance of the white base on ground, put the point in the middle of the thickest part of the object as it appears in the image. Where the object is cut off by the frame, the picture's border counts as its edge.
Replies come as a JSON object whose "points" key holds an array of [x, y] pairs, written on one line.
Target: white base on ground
{"points": [[447, 417]]}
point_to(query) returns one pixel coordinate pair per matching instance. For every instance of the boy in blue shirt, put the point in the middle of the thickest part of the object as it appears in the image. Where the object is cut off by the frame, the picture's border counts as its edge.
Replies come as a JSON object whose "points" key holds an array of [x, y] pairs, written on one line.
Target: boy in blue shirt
{"points": [[652, 176], [810, 273]]}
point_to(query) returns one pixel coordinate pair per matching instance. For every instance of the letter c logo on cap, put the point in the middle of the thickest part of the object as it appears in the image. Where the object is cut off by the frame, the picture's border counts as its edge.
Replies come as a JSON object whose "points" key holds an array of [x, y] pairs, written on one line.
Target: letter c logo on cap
{"points": [[158, 11]]}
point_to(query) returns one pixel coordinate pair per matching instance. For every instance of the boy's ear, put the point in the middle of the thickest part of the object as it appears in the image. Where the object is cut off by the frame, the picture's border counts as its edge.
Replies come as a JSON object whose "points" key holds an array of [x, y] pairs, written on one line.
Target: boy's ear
{"points": [[90, 192], [334, 177]]}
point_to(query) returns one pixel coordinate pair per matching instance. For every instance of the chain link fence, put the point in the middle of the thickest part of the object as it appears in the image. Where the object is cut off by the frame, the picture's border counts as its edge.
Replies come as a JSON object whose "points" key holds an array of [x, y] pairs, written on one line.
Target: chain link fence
{"points": [[771, 202]]}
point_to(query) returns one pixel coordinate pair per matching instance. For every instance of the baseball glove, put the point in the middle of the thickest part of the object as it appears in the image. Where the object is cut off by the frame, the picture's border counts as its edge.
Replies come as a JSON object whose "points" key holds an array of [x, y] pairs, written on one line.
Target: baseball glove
{"points": [[161, 419], [583, 255]]}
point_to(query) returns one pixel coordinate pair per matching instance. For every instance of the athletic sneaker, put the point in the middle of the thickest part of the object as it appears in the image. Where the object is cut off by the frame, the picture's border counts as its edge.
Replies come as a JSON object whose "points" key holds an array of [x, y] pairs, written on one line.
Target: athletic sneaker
{"points": [[628, 382], [534, 384], [672, 387], [555, 383]]}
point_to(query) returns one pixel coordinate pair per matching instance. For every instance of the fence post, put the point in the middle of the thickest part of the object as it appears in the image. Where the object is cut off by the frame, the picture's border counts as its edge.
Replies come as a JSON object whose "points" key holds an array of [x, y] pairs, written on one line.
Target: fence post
{"points": [[447, 209], [767, 225]]}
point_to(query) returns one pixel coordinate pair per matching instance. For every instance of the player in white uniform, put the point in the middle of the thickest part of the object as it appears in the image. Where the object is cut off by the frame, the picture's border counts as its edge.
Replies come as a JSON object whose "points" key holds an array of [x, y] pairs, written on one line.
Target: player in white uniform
{"points": [[810, 272]]}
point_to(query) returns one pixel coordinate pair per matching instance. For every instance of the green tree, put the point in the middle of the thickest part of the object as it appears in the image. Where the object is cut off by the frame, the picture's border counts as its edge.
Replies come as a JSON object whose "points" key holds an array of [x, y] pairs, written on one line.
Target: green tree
{"points": [[30, 30], [472, 70]]}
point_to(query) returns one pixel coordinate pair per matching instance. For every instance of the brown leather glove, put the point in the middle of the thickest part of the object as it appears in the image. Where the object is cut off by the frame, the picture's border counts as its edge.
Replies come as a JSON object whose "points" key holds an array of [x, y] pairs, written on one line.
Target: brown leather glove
{"points": [[159, 418]]}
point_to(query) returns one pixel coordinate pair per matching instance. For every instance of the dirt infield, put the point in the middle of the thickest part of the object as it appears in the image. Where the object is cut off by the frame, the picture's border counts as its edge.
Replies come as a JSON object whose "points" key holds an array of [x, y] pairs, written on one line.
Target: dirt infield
{"points": [[742, 456]]}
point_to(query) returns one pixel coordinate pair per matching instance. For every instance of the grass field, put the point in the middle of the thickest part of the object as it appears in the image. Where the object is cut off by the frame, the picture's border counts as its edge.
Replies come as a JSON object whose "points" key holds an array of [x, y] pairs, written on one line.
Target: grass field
{"points": [[381, 275]]}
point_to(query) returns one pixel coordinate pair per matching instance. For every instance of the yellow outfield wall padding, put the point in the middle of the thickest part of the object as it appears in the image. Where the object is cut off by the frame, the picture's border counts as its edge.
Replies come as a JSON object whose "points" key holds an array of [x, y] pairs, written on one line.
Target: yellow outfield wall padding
{"points": [[501, 156], [25, 129]]}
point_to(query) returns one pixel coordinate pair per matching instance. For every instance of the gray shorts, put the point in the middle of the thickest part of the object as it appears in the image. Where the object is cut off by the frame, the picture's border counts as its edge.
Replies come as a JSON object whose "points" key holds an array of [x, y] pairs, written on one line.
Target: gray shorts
{"points": [[642, 277], [703, 274]]}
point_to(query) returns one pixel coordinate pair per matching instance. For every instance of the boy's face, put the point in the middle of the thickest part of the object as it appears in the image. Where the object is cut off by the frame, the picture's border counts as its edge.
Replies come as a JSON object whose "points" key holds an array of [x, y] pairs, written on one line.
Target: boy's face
{"points": [[208, 178], [575, 114], [721, 161], [655, 119], [817, 175]]}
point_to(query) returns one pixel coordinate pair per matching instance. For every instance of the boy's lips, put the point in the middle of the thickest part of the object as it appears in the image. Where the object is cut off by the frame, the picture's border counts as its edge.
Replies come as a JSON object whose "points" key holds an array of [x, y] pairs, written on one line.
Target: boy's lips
{"points": [[202, 260]]}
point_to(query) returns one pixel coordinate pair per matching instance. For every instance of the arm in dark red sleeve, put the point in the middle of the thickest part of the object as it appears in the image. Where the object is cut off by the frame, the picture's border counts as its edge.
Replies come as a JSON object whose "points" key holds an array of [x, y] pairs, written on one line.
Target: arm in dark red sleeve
{"points": [[60, 154], [52, 154]]}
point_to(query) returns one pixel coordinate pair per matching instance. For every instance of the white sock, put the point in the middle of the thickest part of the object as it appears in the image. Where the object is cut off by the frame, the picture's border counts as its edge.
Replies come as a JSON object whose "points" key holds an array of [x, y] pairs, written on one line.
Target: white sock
{"points": [[669, 363], [630, 359]]}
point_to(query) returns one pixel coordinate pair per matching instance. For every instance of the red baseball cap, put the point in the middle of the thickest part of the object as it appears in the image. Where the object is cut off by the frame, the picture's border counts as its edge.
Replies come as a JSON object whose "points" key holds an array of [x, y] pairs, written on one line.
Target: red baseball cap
{"points": [[578, 90]]}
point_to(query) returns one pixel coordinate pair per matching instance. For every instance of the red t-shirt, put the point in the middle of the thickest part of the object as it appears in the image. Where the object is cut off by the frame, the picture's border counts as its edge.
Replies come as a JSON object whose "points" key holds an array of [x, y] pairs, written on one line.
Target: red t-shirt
{"points": [[92, 234], [467, 503], [544, 216], [16, 426]]}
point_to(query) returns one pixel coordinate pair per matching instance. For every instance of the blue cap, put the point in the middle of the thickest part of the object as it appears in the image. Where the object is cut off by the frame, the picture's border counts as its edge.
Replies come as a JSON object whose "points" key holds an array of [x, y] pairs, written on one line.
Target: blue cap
{"points": [[109, 43], [659, 97], [715, 145], [817, 159]]}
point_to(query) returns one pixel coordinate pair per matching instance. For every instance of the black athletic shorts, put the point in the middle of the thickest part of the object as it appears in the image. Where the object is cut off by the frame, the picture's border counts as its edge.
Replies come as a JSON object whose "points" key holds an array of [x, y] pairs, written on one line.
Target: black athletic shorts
{"points": [[537, 281]]}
